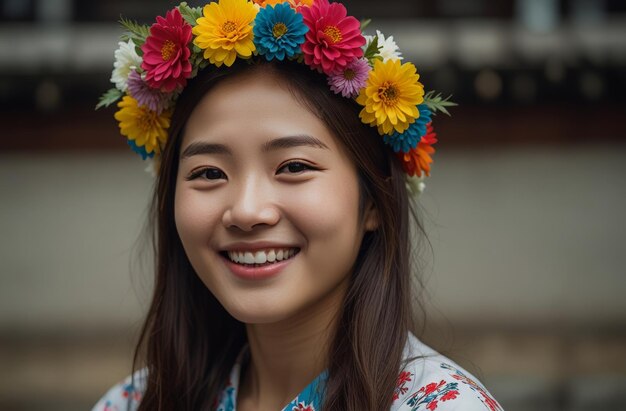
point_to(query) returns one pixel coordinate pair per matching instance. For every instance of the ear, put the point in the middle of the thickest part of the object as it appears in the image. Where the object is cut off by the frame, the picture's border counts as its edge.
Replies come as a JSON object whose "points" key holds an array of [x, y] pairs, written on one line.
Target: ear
{"points": [[372, 219]]}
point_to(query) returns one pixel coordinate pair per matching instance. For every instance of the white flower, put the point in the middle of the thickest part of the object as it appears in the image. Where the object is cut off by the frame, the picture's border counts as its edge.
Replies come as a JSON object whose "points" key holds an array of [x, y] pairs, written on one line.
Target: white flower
{"points": [[126, 60], [152, 168], [415, 185], [389, 50]]}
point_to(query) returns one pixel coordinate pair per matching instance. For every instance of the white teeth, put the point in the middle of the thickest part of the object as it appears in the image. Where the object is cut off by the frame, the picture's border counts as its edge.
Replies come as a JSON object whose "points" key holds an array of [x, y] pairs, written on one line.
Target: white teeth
{"points": [[248, 258], [261, 256]]}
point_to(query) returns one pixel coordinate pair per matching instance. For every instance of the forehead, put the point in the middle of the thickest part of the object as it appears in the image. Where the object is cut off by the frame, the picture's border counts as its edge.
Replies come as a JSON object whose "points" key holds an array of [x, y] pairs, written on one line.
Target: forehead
{"points": [[250, 108]]}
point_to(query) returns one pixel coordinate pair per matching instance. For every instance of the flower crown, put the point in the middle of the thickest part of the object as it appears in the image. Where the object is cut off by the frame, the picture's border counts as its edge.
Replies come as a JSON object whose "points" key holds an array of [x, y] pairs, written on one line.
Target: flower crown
{"points": [[153, 64]]}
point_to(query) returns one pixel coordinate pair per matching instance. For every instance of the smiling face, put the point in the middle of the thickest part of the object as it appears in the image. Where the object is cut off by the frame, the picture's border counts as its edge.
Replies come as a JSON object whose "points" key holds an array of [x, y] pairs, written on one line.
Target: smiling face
{"points": [[266, 201]]}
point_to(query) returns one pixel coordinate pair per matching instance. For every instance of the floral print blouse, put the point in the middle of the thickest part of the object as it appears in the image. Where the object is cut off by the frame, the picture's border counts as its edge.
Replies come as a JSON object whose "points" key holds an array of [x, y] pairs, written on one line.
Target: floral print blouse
{"points": [[425, 384]]}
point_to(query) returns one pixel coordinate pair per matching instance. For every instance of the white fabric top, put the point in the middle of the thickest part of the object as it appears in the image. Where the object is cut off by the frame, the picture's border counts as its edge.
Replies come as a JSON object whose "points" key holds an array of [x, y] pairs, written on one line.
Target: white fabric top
{"points": [[431, 383]]}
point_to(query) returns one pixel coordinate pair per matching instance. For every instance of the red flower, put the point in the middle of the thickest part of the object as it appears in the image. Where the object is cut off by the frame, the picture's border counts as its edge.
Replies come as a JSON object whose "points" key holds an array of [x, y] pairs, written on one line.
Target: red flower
{"points": [[165, 52], [450, 395], [334, 39], [404, 377], [432, 406], [302, 407], [432, 387], [418, 160]]}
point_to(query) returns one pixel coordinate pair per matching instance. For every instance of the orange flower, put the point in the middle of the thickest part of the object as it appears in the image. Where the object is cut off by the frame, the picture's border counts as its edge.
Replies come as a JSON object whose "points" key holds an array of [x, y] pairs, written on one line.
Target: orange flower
{"points": [[295, 4], [264, 3], [418, 159]]}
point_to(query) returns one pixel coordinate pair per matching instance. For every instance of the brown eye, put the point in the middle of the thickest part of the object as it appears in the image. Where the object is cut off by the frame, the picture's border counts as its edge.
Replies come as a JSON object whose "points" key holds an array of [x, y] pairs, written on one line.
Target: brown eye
{"points": [[212, 174], [296, 167], [208, 174]]}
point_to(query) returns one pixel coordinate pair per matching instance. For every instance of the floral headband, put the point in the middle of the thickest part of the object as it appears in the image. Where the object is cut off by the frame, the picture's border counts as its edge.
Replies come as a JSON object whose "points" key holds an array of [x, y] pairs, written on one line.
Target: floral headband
{"points": [[153, 64]]}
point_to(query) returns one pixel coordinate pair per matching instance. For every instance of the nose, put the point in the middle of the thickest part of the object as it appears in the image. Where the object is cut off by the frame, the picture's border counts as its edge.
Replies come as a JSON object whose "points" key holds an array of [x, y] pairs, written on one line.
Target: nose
{"points": [[253, 203]]}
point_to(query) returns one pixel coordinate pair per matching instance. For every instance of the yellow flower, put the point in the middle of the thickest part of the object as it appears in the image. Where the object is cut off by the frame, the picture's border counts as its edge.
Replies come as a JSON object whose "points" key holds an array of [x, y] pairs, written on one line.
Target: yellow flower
{"points": [[225, 31], [391, 96], [145, 127]]}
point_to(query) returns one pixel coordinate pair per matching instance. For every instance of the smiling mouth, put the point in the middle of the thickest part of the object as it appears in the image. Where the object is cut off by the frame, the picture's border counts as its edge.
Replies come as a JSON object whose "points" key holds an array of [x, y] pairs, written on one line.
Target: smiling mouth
{"points": [[260, 258]]}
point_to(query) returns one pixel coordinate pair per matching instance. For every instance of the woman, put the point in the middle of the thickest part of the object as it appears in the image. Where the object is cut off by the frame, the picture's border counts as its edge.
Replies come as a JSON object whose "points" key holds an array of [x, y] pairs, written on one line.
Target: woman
{"points": [[282, 221]]}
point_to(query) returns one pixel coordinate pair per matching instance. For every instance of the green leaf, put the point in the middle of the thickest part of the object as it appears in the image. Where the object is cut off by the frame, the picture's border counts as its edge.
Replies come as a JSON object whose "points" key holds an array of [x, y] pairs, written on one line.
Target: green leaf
{"points": [[365, 23], [190, 14], [438, 103], [203, 63], [198, 62], [109, 98], [136, 32], [372, 51]]}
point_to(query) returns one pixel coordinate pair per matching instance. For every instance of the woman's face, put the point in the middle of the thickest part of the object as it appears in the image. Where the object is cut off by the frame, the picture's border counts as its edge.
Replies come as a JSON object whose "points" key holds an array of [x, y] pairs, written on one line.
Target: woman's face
{"points": [[262, 178]]}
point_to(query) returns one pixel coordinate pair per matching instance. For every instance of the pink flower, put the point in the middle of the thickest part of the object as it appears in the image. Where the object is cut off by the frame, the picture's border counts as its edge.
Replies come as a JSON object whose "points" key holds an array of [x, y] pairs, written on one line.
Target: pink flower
{"points": [[165, 52], [351, 79], [154, 99], [334, 39]]}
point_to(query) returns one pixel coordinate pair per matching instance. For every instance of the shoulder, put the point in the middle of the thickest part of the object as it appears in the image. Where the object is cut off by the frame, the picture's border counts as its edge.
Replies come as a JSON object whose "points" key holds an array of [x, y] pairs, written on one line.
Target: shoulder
{"points": [[434, 382], [124, 396]]}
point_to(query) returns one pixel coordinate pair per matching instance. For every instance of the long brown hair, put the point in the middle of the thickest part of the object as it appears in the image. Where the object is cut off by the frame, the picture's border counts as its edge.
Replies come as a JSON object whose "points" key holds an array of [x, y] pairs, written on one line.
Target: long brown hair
{"points": [[189, 342]]}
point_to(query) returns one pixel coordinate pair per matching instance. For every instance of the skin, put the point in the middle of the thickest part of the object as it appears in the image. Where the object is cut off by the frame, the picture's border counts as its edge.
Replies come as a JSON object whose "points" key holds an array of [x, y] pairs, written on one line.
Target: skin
{"points": [[251, 195]]}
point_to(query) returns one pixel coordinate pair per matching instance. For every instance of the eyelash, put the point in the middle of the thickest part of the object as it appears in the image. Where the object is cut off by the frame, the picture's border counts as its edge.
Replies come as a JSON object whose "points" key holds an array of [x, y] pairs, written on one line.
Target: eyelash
{"points": [[307, 167], [198, 173]]}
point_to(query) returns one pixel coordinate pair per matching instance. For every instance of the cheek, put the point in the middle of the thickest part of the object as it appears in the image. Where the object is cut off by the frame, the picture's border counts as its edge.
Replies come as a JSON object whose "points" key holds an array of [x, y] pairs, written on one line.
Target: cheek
{"points": [[193, 216], [196, 218], [327, 212], [184, 215]]}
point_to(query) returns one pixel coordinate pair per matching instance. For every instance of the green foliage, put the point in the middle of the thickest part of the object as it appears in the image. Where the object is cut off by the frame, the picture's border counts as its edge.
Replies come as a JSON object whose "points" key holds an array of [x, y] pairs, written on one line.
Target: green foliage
{"points": [[438, 103], [190, 14], [135, 32], [109, 98], [365, 23], [198, 62], [373, 50]]}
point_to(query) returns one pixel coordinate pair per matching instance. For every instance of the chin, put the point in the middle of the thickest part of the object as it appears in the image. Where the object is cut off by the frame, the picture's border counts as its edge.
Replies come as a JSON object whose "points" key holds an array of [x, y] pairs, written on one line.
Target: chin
{"points": [[257, 313]]}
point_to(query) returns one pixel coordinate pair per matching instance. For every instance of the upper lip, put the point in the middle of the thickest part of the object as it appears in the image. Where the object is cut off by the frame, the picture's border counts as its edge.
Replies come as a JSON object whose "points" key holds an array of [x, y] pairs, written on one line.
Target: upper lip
{"points": [[256, 245]]}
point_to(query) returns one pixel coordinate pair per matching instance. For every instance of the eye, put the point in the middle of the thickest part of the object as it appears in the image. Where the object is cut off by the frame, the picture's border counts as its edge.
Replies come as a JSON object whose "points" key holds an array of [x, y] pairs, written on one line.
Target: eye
{"points": [[207, 173], [296, 167]]}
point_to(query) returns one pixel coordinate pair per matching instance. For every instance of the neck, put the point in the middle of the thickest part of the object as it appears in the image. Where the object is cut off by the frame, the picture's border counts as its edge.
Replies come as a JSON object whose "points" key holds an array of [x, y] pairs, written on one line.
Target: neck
{"points": [[286, 356]]}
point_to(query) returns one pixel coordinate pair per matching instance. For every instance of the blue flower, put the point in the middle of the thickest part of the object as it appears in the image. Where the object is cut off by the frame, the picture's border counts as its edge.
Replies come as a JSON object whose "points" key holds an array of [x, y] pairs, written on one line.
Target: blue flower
{"points": [[140, 150], [279, 32], [411, 137]]}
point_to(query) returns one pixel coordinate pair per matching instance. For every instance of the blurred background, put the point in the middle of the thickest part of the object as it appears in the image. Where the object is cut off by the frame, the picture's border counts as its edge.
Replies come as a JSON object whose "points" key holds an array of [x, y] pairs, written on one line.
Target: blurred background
{"points": [[525, 284]]}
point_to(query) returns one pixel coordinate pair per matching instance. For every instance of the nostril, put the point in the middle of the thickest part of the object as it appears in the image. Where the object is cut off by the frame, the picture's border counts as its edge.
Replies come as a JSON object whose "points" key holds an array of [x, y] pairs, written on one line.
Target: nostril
{"points": [[247, 214]]}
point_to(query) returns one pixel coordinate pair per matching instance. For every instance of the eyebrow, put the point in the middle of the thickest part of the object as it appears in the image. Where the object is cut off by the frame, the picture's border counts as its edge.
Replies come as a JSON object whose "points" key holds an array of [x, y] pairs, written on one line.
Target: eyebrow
{"points": [[199, 148]]}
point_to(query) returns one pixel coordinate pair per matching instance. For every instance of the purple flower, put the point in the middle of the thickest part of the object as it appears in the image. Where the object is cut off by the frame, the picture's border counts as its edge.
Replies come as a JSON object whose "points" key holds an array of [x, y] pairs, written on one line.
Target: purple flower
{"points": [[145, 95], [350, 80]]}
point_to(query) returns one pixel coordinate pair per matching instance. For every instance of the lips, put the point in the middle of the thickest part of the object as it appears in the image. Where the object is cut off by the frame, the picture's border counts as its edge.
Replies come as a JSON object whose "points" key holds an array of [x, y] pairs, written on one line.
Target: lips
{"points": [[259, 271]]}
